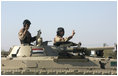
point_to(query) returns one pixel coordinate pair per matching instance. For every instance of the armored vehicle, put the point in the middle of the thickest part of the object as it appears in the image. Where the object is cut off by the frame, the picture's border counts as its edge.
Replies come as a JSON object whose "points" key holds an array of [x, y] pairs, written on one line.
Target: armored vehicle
{"points": [[61, 59]]}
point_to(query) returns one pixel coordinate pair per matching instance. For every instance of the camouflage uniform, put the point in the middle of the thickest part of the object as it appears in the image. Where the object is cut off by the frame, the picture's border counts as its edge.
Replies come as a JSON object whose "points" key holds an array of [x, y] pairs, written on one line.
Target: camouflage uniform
{"points": [[63, 41], [60, 39], [25, 38]]}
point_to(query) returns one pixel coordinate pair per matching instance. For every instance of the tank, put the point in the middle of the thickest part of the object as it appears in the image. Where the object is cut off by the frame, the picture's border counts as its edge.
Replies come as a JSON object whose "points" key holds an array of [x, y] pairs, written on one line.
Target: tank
{"points": [[64, 59]]}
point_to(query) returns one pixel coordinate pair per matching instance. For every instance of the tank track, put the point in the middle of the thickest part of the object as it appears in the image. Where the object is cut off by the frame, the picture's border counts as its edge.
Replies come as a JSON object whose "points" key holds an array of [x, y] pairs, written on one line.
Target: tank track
{"points": [[60, 72]]}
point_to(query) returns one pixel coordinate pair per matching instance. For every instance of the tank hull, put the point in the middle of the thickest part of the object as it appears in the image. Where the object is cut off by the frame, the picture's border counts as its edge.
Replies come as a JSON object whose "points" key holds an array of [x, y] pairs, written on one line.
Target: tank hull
{"points": [[51, 65]]}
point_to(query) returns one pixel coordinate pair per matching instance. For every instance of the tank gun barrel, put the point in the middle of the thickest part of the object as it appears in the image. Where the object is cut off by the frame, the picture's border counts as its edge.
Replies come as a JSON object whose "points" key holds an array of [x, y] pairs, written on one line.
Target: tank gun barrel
{"points": [[100, 48], [77, 49], [74, 49]]}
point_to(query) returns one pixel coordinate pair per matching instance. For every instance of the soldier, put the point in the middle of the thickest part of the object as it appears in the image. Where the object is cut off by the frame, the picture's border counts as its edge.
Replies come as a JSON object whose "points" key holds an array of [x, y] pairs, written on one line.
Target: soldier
{"points": [[60, 38], [24, 35]]}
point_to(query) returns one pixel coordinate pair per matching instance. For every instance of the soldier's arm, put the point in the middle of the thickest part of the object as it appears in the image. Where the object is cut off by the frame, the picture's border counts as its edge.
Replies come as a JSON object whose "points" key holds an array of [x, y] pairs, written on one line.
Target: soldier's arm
{"points": [[70, 37], [54, 40], [33, 38], [22, 34]]}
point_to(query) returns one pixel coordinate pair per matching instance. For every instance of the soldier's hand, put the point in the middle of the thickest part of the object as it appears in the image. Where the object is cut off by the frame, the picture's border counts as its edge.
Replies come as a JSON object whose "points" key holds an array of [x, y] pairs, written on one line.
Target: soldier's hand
{"points": [[26, 29], [73, 32]]}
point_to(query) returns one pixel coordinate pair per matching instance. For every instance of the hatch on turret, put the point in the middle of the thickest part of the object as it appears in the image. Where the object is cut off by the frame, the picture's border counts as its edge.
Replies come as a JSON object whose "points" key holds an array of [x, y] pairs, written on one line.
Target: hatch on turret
{"points": [[20, 51]]}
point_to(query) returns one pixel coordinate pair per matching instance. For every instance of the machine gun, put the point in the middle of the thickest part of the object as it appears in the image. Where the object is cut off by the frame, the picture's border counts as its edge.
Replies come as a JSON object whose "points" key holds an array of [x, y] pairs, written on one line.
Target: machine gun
{"points": [[39, 40], [66, 50]]}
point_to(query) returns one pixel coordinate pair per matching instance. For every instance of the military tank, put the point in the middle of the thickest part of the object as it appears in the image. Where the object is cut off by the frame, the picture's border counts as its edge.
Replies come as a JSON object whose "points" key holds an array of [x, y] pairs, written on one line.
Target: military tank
{"points": [[60, 59]]}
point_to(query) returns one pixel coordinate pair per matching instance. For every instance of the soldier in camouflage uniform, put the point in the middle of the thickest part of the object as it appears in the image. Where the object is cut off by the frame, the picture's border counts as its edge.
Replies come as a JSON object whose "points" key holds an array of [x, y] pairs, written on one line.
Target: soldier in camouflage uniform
{"points": [[24, 35]]}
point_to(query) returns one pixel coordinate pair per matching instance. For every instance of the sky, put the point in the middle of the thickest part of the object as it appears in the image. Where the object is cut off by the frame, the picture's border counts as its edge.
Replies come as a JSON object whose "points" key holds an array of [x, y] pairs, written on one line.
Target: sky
{"points": [[95, 23]]}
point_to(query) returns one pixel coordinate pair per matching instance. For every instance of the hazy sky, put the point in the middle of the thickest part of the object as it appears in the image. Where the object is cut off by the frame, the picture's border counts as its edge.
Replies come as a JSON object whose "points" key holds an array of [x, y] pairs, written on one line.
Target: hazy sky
{"points": [[95, 23]]}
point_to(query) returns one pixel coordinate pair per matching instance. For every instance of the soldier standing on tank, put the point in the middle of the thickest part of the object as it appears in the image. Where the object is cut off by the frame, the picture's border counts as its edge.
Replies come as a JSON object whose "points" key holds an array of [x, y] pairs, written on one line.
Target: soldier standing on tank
{"points": [[24, 35]]}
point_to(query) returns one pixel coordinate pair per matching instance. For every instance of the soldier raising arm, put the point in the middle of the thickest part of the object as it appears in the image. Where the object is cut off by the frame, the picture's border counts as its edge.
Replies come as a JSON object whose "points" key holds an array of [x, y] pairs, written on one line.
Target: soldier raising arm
{"points": [[24, 35], [60, 34], [70, 37]]}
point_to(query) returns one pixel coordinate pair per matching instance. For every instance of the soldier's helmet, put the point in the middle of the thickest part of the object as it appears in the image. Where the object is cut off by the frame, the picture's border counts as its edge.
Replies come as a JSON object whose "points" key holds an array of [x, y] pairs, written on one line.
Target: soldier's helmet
{"points": [[26, 22], [59, 30]]}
